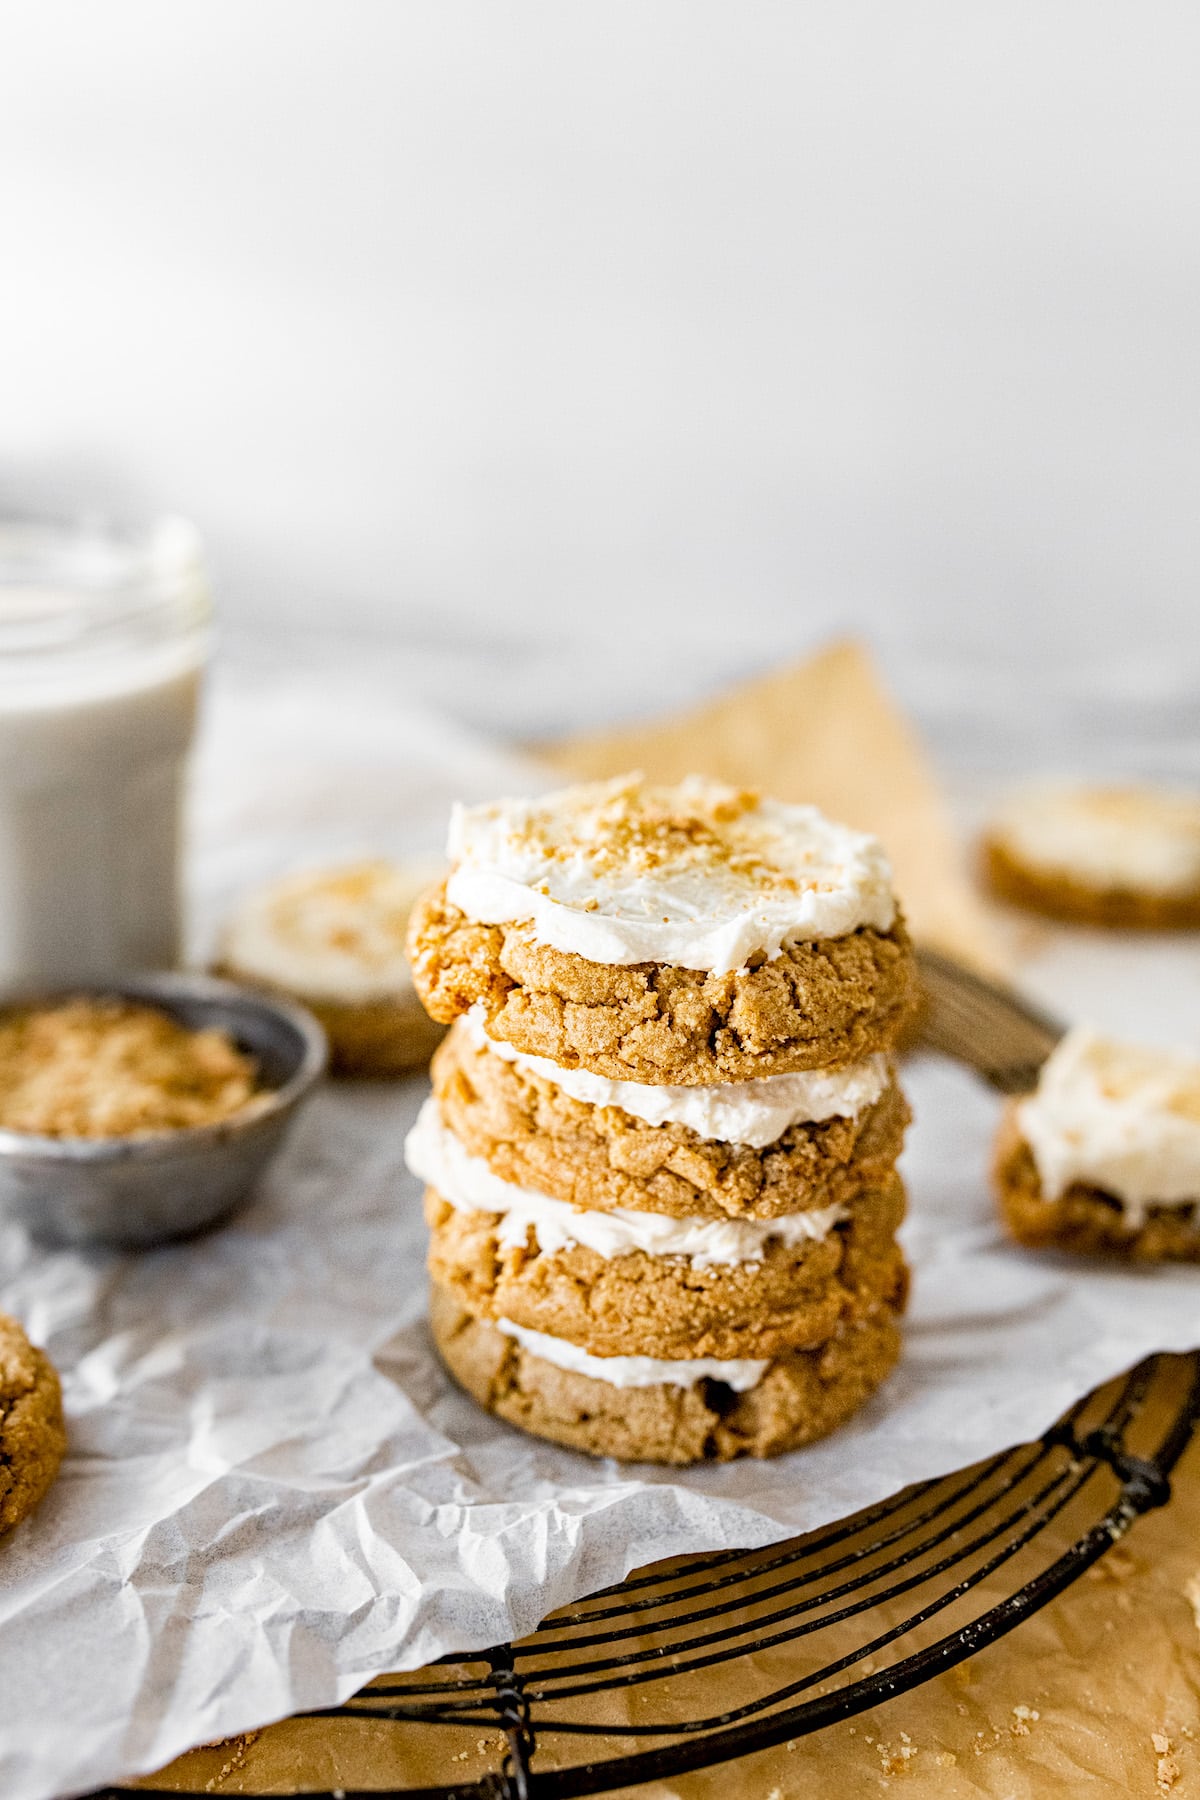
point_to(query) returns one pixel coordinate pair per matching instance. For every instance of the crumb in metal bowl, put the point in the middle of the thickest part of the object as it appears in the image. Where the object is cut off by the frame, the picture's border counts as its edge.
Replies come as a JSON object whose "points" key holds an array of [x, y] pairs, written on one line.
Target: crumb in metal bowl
{"points": [[145, 1108], [104, 1067]]}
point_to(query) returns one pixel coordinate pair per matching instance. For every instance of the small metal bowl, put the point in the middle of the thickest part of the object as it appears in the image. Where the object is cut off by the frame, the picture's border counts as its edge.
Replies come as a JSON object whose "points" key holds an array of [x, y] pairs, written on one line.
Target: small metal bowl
{"points": [[134, 1191]]}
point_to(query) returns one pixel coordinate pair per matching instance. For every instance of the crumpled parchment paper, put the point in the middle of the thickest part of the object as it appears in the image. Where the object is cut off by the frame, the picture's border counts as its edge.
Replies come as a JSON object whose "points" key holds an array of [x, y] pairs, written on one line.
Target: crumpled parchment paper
{"points": [[272, 1492]]}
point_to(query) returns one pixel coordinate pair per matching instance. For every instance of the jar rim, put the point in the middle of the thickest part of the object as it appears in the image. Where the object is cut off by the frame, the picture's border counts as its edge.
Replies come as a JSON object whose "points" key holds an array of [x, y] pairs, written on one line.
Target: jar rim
{"points": [[86, 584]]}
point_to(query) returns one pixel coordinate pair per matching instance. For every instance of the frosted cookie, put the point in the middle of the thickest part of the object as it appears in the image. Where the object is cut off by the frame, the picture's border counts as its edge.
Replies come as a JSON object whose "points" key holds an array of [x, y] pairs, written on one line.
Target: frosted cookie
{"points": [[793, 1292], [643, 1410], [334, 940], [743, 1149], [1123, 857], [689, 935], [624, 1282], [1105, 1155], [32, 1434]]}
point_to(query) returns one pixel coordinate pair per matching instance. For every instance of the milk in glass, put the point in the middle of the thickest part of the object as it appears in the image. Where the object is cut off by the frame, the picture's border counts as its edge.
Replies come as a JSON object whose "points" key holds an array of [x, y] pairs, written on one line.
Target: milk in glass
{"points": [[103, 637]]}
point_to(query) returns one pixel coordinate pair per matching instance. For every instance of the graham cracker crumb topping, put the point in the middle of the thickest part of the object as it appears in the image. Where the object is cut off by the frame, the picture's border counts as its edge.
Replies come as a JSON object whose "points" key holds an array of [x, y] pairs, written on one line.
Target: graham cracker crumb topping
{"points": [[101, 1068], [627, 828]]}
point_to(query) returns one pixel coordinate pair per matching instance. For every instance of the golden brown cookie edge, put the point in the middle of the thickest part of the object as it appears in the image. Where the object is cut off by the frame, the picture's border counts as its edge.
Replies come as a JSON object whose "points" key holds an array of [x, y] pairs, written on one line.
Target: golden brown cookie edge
{"points": [[1059, 896]]}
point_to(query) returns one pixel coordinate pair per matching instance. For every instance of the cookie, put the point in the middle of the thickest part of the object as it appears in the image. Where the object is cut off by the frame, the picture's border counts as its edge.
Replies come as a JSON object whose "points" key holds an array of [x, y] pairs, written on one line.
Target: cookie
{"points": [[817, 1005], [334, 940], [793, 1295], [1084, 1218], [689, 935], [796, 1398], [1125, 858], [32, 1435], [1104, 1156], [531, 1132]]}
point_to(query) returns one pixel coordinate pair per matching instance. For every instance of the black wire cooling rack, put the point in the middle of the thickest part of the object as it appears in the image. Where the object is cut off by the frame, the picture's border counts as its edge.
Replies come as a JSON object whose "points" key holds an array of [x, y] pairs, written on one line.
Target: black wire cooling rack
{"points": [[738, 1651]]}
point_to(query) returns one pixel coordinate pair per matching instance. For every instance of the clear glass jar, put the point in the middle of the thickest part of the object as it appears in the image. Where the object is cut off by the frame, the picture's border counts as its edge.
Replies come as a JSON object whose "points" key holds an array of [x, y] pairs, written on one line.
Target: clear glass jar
{"points": [[104, 633]]}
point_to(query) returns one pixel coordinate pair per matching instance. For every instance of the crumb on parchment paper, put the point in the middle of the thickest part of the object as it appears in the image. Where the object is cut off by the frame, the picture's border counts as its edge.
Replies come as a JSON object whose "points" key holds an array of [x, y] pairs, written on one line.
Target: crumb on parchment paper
{"points": [[1167, 1769], [1116, 1565], [238, 1749], [895, 1759]]}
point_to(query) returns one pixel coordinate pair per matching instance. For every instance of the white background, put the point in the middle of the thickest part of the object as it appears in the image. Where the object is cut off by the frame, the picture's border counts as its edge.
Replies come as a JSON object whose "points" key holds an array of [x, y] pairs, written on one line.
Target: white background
{"points": [[593, 353]]}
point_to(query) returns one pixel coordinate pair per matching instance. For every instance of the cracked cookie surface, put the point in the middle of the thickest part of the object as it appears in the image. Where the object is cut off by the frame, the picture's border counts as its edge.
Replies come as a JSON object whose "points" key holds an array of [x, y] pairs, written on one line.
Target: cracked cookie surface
{"points": [[638, 1304], [530, 1132], [819, 1005], [32, 1435], [802, 1395], [1083, 1218]]}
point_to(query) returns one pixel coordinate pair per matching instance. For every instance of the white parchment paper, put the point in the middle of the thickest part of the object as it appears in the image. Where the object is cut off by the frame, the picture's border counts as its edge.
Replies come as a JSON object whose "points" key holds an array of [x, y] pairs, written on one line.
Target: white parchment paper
{"points": [[272, 1493]]}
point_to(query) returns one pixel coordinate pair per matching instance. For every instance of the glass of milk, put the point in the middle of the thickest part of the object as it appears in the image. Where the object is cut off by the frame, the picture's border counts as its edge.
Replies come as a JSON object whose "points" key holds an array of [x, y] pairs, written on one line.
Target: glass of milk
{"points": [[104, 633]]}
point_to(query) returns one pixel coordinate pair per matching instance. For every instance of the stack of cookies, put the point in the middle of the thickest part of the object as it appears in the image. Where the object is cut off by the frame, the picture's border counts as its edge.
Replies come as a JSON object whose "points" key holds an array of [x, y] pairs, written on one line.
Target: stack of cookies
{"points": [[660, 1153]]}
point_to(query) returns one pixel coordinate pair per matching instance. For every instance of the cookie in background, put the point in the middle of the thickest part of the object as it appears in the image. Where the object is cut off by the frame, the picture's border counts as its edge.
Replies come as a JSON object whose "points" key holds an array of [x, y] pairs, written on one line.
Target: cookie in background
{"points": [[1123, 857], [334, 939], [1104, 1155]]}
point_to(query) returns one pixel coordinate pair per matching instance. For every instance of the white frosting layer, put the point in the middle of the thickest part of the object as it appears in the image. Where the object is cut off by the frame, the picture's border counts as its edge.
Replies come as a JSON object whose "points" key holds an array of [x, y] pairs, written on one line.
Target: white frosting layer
{"points": [[741, 1373], [1117, 1117], [1137, 838], [697, 875], [335, 934], [756, 1113], [436, 1157]]}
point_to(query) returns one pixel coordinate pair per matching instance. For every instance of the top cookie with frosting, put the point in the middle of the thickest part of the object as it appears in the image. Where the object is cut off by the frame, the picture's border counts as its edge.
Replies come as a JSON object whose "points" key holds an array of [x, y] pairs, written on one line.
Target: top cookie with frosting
{"points": [[699, 876], [688, 935]]}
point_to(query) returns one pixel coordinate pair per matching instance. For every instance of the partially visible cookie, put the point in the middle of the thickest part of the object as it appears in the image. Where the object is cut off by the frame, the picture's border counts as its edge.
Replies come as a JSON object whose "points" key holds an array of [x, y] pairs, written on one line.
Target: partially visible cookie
{"points": [[334, 940], [1124, 857], [1104, 1157], [789, 1401], [32, 1435]]}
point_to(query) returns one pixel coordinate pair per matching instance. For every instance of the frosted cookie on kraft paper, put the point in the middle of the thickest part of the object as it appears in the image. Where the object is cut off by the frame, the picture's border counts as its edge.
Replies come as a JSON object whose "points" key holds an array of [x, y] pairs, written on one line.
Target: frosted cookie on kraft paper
{"points": [[694, 935], [1104, 1156], [334, 940], [1124, 857]]}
